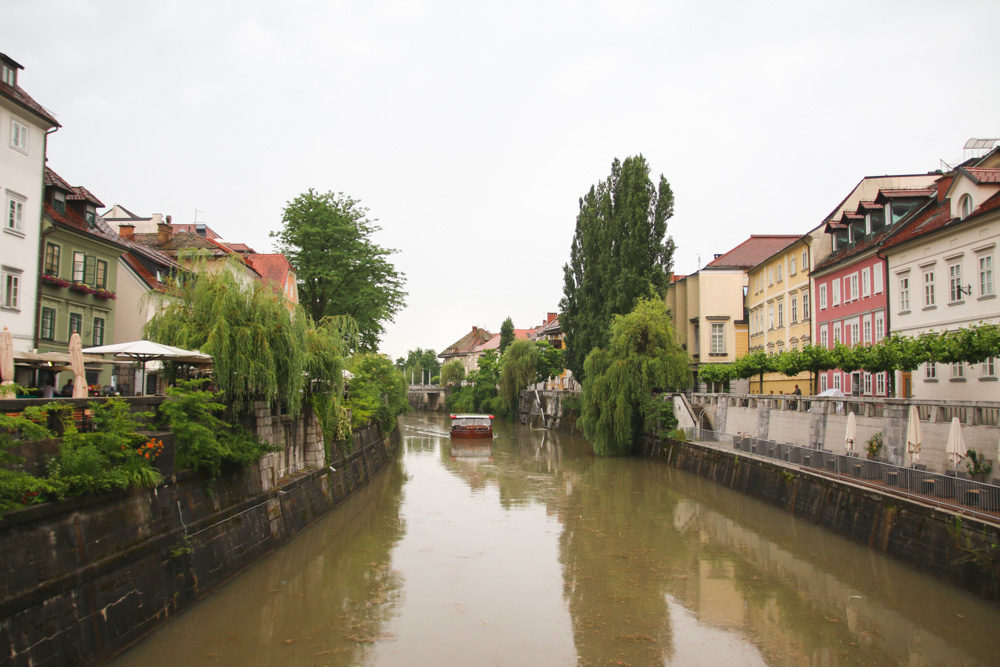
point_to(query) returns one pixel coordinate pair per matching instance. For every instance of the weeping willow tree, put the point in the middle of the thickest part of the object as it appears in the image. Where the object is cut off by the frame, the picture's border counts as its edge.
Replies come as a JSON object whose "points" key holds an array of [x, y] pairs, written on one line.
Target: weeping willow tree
{"points": [[518, 369], [621, 383], [261, 350]]}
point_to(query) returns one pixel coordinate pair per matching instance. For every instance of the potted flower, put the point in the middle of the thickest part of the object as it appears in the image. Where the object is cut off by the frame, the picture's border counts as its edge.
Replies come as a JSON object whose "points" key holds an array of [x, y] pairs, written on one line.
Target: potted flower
{"points": [[874, 446], [979, 466], [80, 287], [102, 293], [55, 280]]}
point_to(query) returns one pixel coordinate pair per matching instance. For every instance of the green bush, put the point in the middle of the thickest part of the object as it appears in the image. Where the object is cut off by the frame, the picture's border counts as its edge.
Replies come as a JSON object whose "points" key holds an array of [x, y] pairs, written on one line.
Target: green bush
{"points": [[205, 442]]}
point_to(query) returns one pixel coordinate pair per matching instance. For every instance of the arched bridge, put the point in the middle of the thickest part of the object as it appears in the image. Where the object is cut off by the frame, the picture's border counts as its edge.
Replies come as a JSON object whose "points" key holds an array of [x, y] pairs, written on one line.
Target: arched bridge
{"points": [[425, 397]]}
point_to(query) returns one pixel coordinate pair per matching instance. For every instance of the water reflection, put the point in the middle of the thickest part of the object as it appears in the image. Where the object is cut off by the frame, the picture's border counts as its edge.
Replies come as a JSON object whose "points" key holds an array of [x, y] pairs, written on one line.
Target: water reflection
{"points": [[530, 550]]}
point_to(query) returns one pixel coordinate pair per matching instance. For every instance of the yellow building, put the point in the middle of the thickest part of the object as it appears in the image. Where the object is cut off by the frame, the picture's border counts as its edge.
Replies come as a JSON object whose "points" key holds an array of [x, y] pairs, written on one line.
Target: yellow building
{"points": [[779, 310], [707, 307]]}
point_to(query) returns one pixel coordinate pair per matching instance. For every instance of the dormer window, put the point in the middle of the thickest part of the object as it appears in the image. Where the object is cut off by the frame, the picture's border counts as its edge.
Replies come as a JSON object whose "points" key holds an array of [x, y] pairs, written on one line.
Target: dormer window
{"points": [[9, 75], [59, 202], [900, 209], [90, 215], [965, 206], [876, 221]]}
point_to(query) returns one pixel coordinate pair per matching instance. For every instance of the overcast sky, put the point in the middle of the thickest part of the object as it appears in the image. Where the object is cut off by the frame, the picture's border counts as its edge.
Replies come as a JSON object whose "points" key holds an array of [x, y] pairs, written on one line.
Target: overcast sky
{"points": [[471, 129]]}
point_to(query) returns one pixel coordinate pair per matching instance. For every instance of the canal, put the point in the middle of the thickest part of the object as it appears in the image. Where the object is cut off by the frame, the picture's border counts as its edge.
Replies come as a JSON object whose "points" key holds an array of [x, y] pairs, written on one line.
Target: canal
{"points": [[534, 551]]}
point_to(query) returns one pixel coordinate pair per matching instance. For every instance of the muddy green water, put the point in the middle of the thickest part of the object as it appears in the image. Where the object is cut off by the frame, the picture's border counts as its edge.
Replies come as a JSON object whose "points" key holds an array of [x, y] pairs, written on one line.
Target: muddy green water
{"points": [[532, 551]]}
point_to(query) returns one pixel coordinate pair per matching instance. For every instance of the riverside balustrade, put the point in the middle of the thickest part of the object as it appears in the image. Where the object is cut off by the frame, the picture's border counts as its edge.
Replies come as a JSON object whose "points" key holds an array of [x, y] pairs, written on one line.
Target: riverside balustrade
{"points": [[953, 489]]}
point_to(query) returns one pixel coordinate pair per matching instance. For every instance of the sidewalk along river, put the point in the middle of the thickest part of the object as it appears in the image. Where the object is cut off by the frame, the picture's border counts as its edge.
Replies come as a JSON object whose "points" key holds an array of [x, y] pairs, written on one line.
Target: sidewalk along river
{"points": [[531, 550]]}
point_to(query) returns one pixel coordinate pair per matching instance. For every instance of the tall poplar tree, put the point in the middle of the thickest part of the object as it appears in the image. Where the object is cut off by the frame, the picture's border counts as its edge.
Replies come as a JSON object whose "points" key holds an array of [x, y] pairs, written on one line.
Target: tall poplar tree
{"points": [[506, 334], [620, 253]]}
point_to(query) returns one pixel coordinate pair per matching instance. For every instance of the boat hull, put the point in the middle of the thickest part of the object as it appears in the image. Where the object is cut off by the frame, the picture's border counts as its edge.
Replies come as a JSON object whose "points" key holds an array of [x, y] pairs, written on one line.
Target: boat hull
{"points": [[472, 431]]}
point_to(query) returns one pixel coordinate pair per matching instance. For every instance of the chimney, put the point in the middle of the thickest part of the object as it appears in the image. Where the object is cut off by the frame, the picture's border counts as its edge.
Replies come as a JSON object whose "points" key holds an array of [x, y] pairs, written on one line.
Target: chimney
{"points": [[474, 328], [943, 184], [549, 317], [170, 219], [126, 230], [164, 232]]}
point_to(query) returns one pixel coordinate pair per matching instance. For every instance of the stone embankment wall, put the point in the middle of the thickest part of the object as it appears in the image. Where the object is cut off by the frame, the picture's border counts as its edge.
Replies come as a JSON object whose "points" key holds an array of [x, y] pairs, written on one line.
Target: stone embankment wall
{"points": [[960, 550], [82, 579], [557, 410]]}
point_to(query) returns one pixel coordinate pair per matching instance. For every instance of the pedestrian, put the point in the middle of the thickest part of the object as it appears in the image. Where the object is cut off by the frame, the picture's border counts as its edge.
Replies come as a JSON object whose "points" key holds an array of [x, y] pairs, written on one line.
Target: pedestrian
{"points": [[67, 389], [797, 392]]}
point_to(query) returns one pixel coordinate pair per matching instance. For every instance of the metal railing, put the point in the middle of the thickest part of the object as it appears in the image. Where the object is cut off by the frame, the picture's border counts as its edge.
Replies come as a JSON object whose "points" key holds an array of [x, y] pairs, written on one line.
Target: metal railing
{"points": [[953, 490]]}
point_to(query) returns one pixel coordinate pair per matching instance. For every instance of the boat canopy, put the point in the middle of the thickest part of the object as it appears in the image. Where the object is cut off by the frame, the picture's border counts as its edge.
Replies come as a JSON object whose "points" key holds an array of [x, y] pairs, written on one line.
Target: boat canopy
{"points": [[471, 420]]}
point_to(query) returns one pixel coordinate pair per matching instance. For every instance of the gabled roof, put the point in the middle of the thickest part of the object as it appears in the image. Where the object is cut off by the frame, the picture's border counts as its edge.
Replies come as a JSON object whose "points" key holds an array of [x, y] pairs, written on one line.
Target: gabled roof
{"points": [[17, 95], [981, 176], [143, 273], [887, 194], [129, 214], [466, 343], [273, 269], [939, 217], [53, 180], [71, 220], [81, 193], [752, 251], [552, 327]]}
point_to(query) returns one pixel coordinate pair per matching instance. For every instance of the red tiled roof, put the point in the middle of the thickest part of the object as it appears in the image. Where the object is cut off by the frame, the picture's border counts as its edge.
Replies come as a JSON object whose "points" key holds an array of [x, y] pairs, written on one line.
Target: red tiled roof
{"points": [[852, 216], [241, 247], [23, 99], [868, 205], [754, 250], [83, 194], [675, 277], [932, 219], [273, 269], [466, 343], [53, 180], [143, 273], [494, 342], [71, 219], [904, 193], [981, 176]]}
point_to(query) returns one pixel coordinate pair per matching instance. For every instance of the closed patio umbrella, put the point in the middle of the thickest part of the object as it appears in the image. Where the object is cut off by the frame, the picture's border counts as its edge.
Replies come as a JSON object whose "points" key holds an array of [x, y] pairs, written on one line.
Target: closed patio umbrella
{"points": [[913, 436], [6, 364], [850, 433], [956, 445], [76, 362]]}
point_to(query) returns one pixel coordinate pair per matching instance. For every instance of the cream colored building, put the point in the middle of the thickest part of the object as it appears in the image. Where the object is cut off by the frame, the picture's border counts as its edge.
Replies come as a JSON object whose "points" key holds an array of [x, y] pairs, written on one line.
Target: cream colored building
{"points": [[779, 308], [942, 276], [707, 307]]}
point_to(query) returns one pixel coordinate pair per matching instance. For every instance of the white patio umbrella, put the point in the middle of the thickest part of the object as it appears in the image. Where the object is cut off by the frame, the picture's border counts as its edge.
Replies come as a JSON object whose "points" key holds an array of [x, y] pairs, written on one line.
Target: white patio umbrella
{"points": [[850, 433], [956, 445], [6, 364], [913, 436], [146, 350], [76, 363]]}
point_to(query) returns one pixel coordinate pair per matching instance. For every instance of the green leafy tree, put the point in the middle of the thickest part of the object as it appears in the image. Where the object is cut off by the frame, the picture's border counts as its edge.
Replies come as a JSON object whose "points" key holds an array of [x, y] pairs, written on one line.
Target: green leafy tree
{"points": [[620, 253], [419, 366], [551, 361], [452, 372], [506, 334], [621, 383], [341, 270], [376, 392], [481, 396], [518, 369]]}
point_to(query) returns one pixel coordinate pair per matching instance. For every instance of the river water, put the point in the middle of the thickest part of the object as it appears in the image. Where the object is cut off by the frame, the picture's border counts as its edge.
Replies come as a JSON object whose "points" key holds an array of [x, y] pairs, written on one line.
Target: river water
{"points": [[533, 551]]}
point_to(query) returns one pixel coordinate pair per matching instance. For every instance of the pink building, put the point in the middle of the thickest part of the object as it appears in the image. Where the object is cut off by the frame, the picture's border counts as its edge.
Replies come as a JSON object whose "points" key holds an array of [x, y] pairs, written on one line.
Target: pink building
{"points": [[849, 286]]}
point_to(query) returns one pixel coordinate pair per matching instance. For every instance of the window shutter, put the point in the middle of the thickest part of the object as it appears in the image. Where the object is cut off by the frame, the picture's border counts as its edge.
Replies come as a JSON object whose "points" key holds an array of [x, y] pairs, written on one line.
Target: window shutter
{"points": [[89, 268]]}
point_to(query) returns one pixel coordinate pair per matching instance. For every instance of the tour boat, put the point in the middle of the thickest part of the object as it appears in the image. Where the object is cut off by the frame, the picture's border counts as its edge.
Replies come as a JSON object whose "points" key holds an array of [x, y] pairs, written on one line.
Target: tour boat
{"points": [[472, 426]]}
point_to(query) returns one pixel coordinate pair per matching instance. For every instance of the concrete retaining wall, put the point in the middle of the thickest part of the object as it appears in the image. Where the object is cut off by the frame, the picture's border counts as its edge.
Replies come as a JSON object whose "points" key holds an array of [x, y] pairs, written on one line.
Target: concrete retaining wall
{"points": [[962, 551], [82, 579]]}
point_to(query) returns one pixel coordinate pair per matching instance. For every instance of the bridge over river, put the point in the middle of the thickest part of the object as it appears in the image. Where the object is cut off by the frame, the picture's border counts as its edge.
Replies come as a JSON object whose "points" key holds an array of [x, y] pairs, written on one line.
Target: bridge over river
{"points": [[532, 551]]}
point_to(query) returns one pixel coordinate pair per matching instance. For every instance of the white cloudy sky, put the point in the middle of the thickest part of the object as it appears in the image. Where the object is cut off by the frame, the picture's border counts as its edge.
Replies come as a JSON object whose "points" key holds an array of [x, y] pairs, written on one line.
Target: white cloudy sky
{"points": [[471, 129]]}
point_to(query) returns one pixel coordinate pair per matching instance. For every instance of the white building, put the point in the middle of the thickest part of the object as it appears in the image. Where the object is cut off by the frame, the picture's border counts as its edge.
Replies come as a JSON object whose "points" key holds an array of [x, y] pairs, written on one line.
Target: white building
{"points": [[942, 276], [24, 125]]}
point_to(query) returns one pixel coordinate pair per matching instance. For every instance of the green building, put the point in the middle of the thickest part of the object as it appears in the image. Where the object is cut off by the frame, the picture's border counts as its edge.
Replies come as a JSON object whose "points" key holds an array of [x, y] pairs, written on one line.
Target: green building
{"points": [[79, 270]]}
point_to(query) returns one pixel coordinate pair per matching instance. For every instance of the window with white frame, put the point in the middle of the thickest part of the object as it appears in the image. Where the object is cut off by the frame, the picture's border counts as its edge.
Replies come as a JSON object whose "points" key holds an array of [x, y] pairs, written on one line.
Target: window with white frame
{"points": [[18, 135], [781, 314], [867, 331], [854, 287], [11, 289], [718, 338], [985, 275], [9, 75], [965, 206], [778, 271], [770, 316], [988, 369], [824, 338], [822, 297], [904, 292], [791, 266], [15, 213], [836, 332], [877, 279], [835, 295], [957, 370], [805, 305], [822, 382], [795, 309], [955, 281], [880, 384], [868, 383], [805, 260], [854, 334], [770, 276], [836, 380], [930, 371], [928, 287], [866, 283], [879, 326]]}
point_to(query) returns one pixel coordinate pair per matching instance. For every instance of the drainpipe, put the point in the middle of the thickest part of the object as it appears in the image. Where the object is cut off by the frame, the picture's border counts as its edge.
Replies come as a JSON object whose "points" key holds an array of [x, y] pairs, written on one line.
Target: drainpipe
{"points": [[885, 287], [41, 242]]}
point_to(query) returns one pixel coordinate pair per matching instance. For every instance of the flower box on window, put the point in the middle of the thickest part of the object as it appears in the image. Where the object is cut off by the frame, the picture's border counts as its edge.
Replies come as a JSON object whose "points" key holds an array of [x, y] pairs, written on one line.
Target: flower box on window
{"points": [[81, 288], [101, 293], [55, 280]]}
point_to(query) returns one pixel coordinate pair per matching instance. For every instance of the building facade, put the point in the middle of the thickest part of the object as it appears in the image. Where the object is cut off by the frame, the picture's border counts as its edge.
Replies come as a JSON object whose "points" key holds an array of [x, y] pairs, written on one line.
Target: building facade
{"points": [[24, 126], [942, 272]]}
